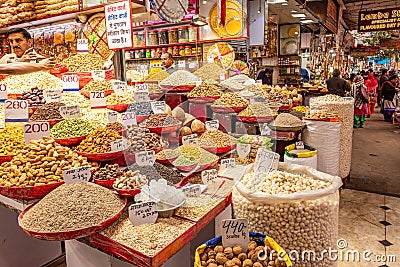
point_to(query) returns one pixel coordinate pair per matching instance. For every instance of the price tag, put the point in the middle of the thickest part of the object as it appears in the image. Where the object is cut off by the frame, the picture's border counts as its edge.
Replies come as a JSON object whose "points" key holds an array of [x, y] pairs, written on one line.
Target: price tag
{"points": [[145, 158], [243, 150], [265, 130], [141, 97], [266, 160], [35, 131], [82, 45], [181, 64], [209, 176], [258, 82], [145, 72], [52, 95], [212, 125], [235, 232], [210, 60], [222, 77], [142, 88], [70, 82], [192, 65], [98, 75], [128, 118], [228, 164], [119, 145], [251, 100], [112, 116], [300, 145], [16, 110], [191, 139], [68, 112], [158, 107], [192, 190], [143, 213], [119, 87], [98, 99], [81, 174], [198, 82], [3, 92]]}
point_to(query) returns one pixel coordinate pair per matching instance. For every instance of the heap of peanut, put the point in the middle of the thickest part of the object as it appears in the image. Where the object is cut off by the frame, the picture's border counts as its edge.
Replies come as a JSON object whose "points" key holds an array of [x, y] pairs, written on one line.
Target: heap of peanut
{"points": [[38, 163], [99, 141]]}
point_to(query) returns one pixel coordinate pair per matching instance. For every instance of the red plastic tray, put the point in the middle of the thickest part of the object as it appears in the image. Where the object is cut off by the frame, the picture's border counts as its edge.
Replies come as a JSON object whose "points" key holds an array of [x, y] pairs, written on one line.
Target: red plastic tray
{"points": [[6, 158], [105, 183], [207, 166], [206, 99], [75, 234], [219, 150], [127, 192], [118, 107], [141, 118], [28, 192], [156, 96], [101, 156], [186, 168], [13, 96], [32, 110], [182, 88], [164, 129], [166, 161], [227, 109], [285, 107], [70, 141], [254, 119]]}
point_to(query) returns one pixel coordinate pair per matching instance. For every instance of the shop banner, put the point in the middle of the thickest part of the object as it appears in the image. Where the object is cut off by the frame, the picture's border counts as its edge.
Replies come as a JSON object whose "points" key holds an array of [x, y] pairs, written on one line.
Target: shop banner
{"points": [[364, 51], [119, 25], [379, 20]]}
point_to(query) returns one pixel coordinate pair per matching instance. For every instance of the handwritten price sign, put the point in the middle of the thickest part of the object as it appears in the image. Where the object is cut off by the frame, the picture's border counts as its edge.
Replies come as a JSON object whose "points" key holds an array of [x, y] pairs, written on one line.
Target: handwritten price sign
{"points": [[265, 130], [3, 92], [98, 75], [192, 191], [112, 116], [158, 107], [266, 160], [35, 131], [82, 45], [235, 232], [145, 158], [97, 99], [70, 82], [52, 95], [16, 110], [119, 145], [68, 112], [141, 97], [119, 87], [142, 87], [228, 164], [128, 118], [243, 150], [209, 176], [191, 139], [81, 174], [212, 125], [143, 213], [300, 145]]}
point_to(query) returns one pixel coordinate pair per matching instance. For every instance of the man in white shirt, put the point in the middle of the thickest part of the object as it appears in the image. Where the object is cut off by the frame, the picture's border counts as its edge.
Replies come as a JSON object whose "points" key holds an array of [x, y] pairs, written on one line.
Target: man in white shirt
{"points": [[168, 62]]}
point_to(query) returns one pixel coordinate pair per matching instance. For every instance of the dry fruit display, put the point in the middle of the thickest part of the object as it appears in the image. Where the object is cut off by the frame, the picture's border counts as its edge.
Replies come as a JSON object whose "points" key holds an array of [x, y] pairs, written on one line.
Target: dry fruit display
{"points": [[11, 140], [48, 111], [237, 82], [116, 99], [257, 109], [130, 180], [209, 71], [73, 127], [18, 84], [179, 78], [99, 141], [158, 76], [230, 100], [206, 90], [82, 62], [216, 138]]}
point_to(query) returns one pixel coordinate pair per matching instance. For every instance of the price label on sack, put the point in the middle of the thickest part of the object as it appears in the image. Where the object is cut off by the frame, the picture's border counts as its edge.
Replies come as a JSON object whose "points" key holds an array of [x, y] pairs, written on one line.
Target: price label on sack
{"points": [[181, 64], [52, 95], [16, 110], [192, 190], [142, 213], [119, 87], [266, 160], [70, 82], [158, 107], [112, 116], [209, 176], [235, 232], [212, 125], [3, 92], [145, 158], [81, 174], [222, 77], [141, 97], [243, 150], [191, 139], [98, 75], [82, 45], [300, 145], [192, 65], [98, 99], [128, 118], [35, 131], [198, 82], [142, 87], [119, 145], [265, 130], [228, 163], [68, 112]]}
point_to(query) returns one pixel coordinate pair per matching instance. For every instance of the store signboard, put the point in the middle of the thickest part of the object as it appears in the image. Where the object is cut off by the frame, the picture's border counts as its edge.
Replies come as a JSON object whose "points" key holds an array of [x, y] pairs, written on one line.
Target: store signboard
{"points": [[364, 51], [118, 25], [379, 20]]}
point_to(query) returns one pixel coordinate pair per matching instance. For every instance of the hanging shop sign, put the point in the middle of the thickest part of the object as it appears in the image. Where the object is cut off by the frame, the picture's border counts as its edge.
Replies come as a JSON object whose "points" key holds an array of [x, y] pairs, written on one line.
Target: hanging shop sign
{"points": [[119, 25], [379, 20], [364, 51], [389, 43], [332, 13]]}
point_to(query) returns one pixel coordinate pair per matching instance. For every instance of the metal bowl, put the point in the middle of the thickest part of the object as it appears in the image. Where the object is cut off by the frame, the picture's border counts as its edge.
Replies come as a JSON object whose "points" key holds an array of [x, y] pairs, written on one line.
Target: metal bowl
{"points": [[168, 212]]}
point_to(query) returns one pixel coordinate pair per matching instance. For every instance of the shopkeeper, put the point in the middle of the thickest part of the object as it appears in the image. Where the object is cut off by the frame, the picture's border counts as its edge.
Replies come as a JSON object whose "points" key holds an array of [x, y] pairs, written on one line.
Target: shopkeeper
{"points": [[266, 76], [21, 44], [168, 62]]}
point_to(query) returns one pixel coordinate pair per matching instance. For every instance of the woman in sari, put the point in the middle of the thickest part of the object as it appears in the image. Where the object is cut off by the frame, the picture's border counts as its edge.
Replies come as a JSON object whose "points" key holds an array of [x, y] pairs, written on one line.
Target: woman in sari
{"points": [[389, 90], [360, 101], [372, 85]]}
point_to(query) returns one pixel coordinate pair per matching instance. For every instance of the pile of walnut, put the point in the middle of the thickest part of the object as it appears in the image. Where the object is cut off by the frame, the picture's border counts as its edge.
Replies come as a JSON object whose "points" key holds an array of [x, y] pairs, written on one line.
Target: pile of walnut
{"points": [[236, 257]]}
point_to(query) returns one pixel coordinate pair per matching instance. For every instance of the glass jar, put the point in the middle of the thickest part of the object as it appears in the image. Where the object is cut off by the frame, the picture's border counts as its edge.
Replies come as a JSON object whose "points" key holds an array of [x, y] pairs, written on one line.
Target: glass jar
{"points": [[170, 50], [173, 35], [153, 37], [159, 52], [137, 53], [183, 34], [163, 36], [154, 53], [148, 53], [182, 50], [188, 50], [175, 51], [192, 34], [140, 39], [135, 39], [198, 50], [132, 54], [142, 53]]}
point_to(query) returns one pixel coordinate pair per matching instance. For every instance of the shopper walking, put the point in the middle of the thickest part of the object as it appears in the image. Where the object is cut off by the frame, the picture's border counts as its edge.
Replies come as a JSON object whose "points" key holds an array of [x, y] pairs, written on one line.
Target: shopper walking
{"points": [[389, 90], [372, 84], [358, 90], [337, 85], [382, 79]]}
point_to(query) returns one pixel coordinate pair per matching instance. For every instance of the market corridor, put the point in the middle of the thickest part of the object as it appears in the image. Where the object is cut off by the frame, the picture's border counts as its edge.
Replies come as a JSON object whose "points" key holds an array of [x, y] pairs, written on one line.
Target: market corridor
{"points": [[375, 161]]}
